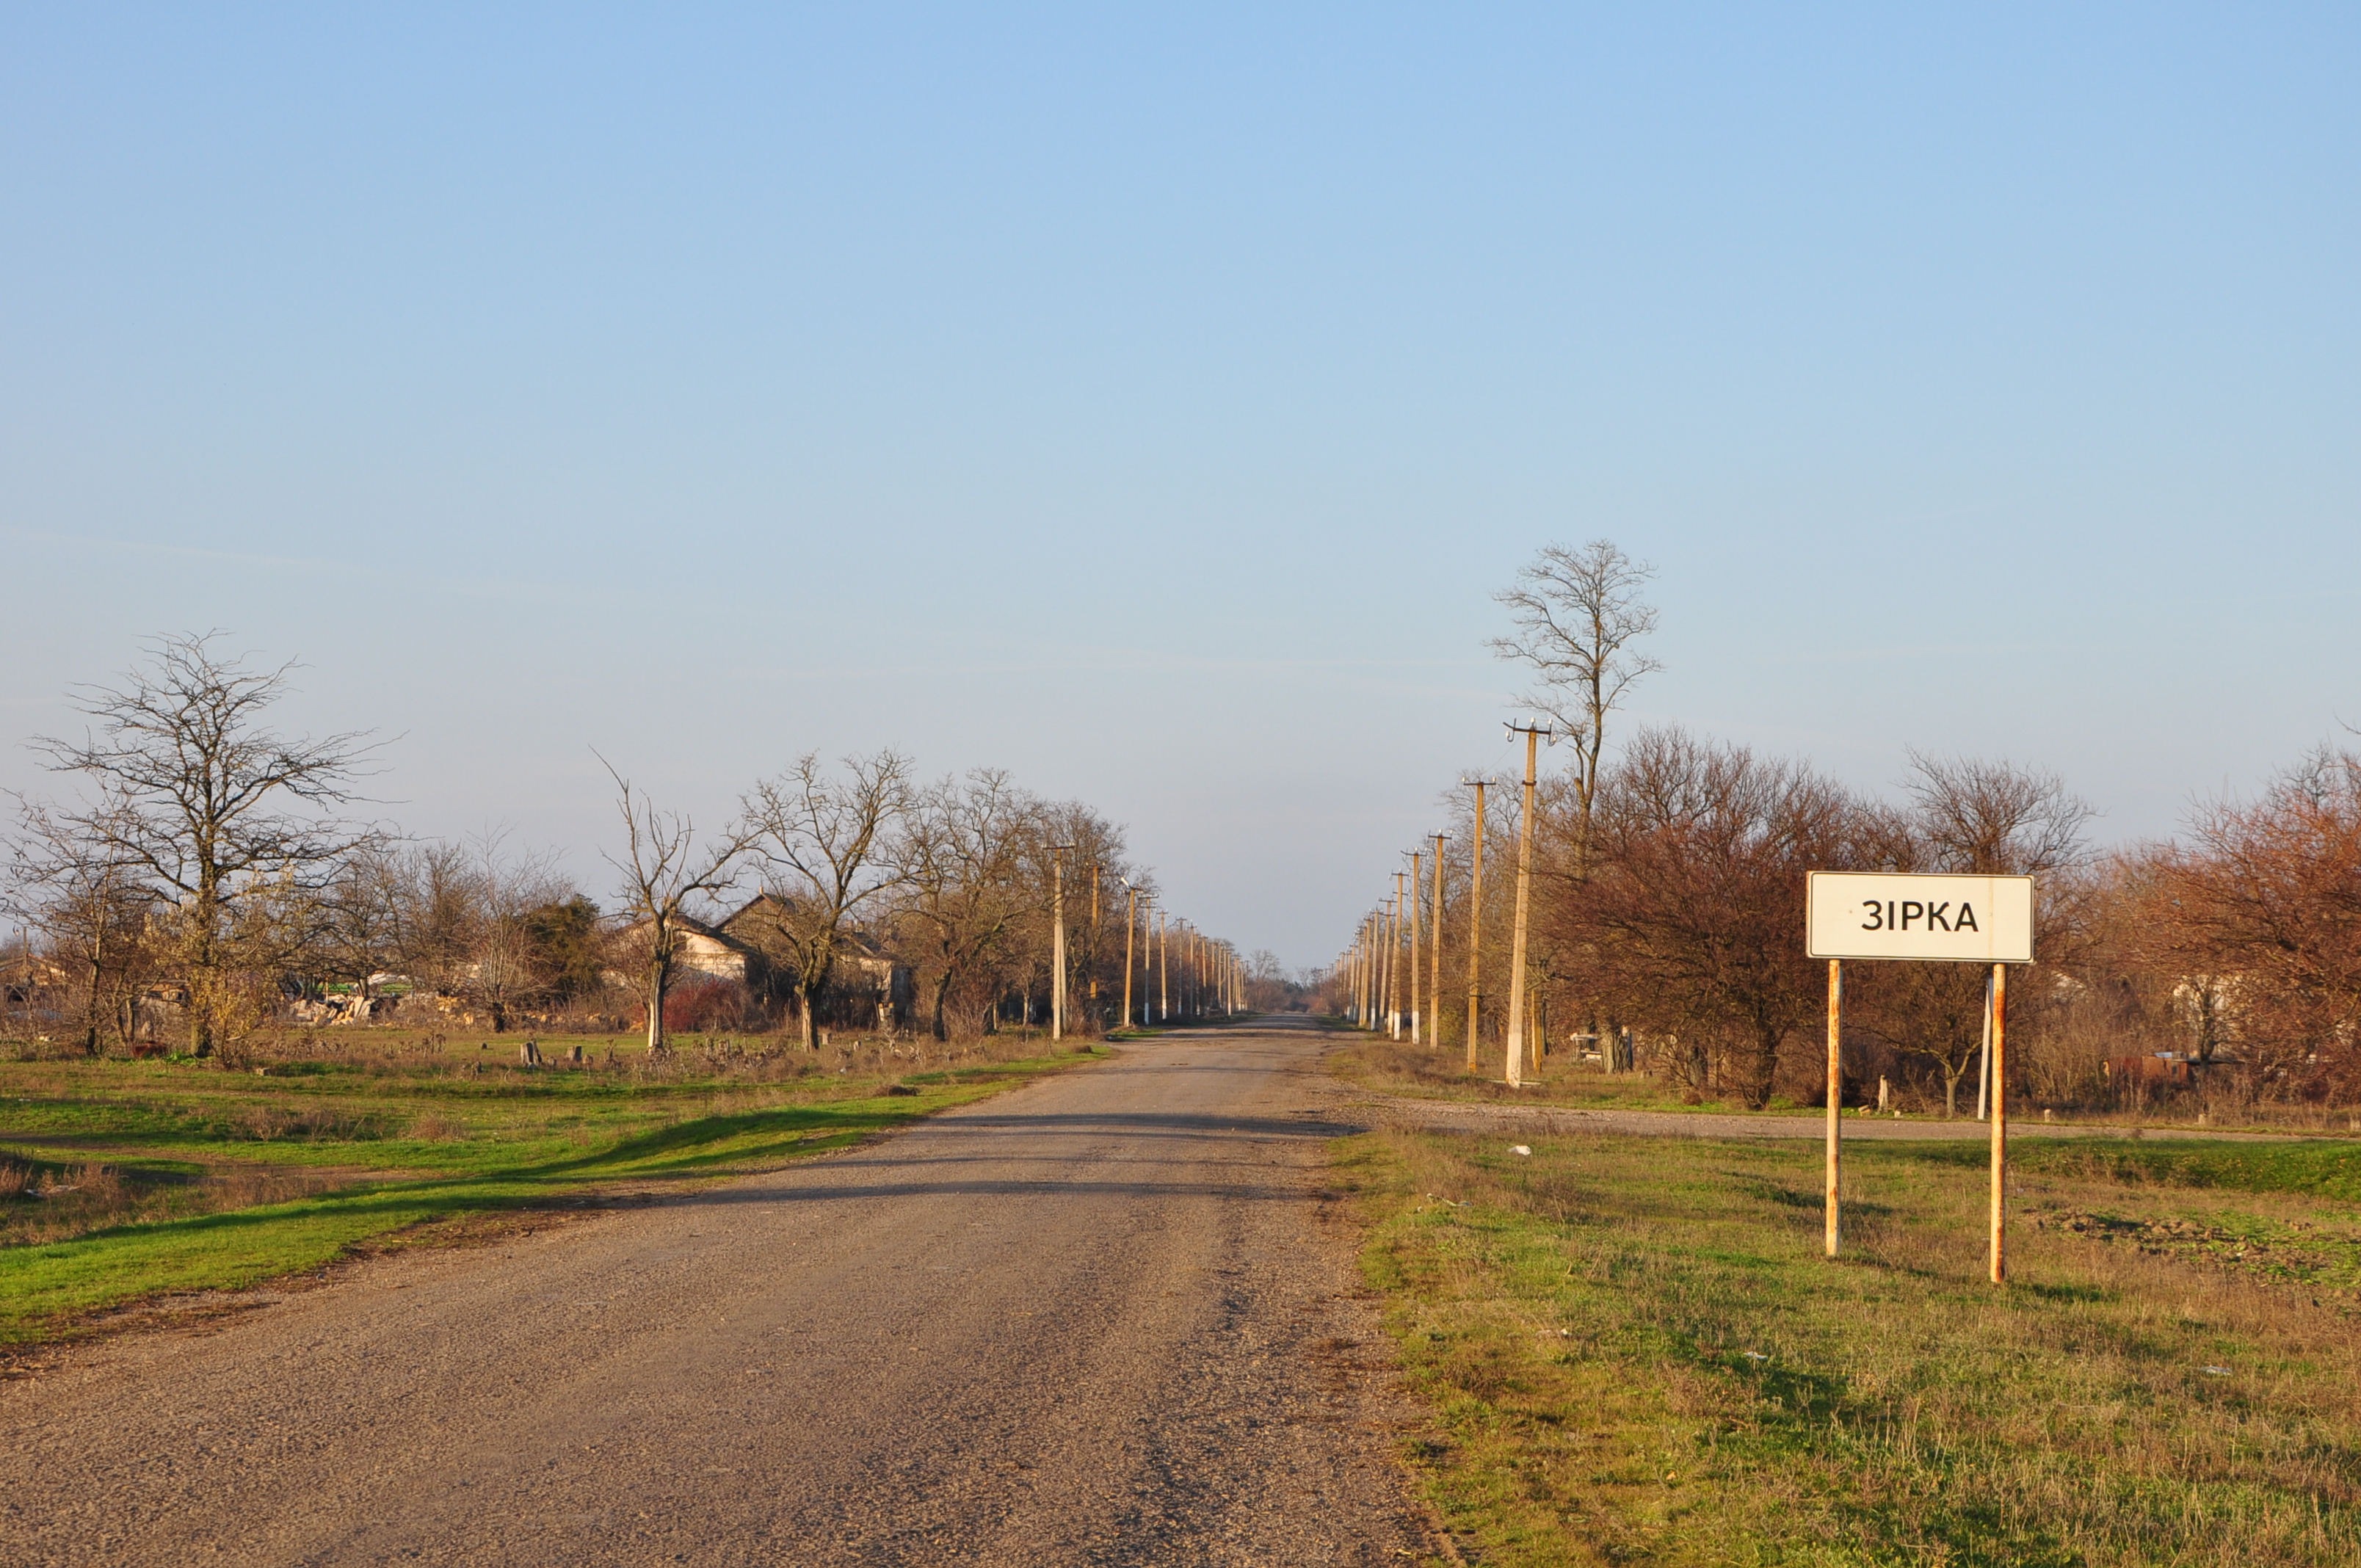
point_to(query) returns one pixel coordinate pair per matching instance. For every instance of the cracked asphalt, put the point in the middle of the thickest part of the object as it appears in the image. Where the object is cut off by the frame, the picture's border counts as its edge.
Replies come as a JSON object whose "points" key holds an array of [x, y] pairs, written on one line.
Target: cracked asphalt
{"points": [[1108, 1318]]}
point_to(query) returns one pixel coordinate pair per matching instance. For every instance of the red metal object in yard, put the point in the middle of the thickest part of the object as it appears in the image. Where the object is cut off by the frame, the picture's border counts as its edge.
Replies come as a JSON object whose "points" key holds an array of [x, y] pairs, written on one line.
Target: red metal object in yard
{"points": [[2170, 1071]]}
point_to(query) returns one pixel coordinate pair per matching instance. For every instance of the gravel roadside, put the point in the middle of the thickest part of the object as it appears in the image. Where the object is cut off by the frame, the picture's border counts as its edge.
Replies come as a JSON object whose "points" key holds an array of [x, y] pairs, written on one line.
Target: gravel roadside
{"points": [[1109, 1318]]}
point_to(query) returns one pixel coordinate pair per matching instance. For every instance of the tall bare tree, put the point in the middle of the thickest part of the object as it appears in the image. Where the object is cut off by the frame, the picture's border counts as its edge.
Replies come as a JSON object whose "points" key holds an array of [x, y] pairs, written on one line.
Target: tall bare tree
{"points": [[822, 839], [663, 869], [1577, 612], [227, 820]]}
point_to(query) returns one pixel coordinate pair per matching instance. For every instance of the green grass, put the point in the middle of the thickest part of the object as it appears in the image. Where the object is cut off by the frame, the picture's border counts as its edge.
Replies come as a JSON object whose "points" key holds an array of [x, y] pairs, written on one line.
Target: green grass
{"points": [[2321, 1166], [1373, 1062], [131, 1178], [1391, 1067], [1632, 1351]]}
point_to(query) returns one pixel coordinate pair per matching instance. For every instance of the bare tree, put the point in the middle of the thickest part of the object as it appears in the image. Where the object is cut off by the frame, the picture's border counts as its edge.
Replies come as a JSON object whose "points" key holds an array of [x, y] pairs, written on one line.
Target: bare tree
{"points": [[823, 841], [961, 856], [428, 895], [1988, 818], [93, 905], [2265, 908], [663, 869], [359, 922], [1698, 894], [1577, 612], [504, 962], [193, 796], [1995, 818]]}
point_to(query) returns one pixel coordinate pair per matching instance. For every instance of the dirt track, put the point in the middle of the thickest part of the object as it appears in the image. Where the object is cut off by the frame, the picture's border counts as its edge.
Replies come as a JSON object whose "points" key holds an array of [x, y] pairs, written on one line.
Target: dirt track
{"points": [[1103, 1318]]}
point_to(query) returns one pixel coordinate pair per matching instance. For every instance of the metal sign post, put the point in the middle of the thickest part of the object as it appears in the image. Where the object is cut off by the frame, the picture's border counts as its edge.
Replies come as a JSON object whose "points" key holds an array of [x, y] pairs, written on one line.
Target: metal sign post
{"points": [[1998, 1023], [1836, 1091], [1929, 919]]}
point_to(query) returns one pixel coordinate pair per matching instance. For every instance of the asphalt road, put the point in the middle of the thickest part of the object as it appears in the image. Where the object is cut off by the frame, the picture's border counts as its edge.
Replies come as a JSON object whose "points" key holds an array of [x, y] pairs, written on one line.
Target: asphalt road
{"points": [[1107, 1317]]}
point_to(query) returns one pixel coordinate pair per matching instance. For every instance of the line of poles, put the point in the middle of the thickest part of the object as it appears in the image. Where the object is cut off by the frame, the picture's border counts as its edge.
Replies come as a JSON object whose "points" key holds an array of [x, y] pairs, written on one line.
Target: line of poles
{"points": [[1184, 975], [1382, 967]]}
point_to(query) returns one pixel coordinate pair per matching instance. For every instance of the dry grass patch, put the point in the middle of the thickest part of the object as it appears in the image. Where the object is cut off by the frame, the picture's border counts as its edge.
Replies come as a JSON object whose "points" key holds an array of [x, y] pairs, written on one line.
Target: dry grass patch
{"points": [[1391, 1067], [44, 1202]]}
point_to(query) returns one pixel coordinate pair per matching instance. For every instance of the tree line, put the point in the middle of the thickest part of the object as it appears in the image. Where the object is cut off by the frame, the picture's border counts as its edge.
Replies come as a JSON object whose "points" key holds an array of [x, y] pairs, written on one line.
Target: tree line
{"points": [[1667, 899], [209, 878]]}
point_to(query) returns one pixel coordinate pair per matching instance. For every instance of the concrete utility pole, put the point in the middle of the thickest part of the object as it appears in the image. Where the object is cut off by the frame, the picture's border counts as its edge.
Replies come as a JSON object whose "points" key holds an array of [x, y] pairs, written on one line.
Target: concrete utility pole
{"points": [[1146, 957], [1352, 979], [1188, 973], [1163, 972], [1394, 961], [1363, 995], [1476, 925], [1415, 863], [1057, 941], [1434, 961], [1130, 921], [1532, 734], [1094, 940], [1182, 991], [1369, 971]]}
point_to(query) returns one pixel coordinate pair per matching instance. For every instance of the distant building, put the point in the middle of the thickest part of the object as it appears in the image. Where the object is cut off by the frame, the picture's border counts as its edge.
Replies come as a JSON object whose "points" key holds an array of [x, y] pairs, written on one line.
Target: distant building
{"points": [[868, 986]]}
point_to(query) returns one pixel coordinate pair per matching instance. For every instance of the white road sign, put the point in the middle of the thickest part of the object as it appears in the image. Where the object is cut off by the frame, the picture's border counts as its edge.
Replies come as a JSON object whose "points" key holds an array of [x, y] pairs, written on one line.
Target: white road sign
{"points": [[1901, 915]]}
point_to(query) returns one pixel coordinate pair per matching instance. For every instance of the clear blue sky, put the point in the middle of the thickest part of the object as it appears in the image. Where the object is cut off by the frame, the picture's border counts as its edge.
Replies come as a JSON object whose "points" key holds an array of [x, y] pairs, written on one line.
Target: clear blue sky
{"points": [[1149, 402]]}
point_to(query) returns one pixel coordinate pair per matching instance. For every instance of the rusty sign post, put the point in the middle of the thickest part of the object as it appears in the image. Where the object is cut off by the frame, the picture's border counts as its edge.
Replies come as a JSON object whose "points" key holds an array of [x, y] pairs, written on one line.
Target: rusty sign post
{"points": [[1929, 919], [1836, 1094]]}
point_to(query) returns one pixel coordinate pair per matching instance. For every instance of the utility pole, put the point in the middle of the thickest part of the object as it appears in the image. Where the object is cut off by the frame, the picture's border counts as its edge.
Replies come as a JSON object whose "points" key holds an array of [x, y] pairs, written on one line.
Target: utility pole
{"points": [[1361, 980], [1361, 975], [1353, 973], [1057, 941], [1163, 972], [1435, 960], [1532, 734], [1476, 925], [1393, 964], [1187, 1013], [1147, 955], [1188, 1008], [1130, 920], [1415, 861], [1094, 940]]}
